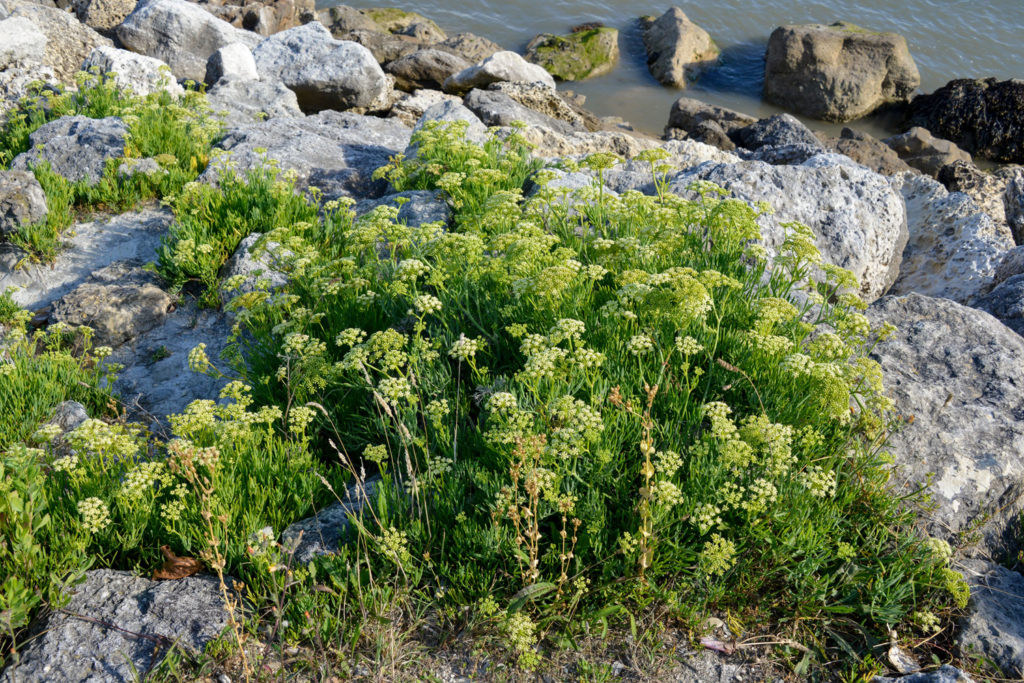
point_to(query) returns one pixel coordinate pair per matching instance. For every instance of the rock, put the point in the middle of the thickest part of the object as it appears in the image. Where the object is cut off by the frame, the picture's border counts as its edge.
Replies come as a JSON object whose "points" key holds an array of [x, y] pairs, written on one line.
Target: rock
{"points": [[395, 20], [181, 34], [839, 72], [22, 201], [103, 15], [322, 533], [550, 103], [87, 247], [117, 626], [76, 147], [68, 42], [68, 415], [577, 56], [992, 628], [119, 302], [244, 102], [264, 17], [985, 117], [993, 192], [954, 247], [677, 49], [776, 131], [341, 20], [501, 66], [425, 32], [471, 46], [452, 111], [425, 69], [1011, 263], [683, 155], [687, 114], [859, 220], [920, 149], [20, 41], [944, 674], [550, 143], [1006, 302], [958, 371], [419, 207], [141, 74], [1014, 204], [234, 61], [409, 107], [130, 167], [498, 109], [386, 47], [323, 72], [867, 151], [24, 79], [336, 152], [257, 264]]}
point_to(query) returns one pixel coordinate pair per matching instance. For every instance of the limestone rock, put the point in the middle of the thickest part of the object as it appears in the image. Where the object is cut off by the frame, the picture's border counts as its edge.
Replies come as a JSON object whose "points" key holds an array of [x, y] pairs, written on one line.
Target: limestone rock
{"points": [[993, 627], [501, 66], [257, 263], [103, 15], [386, 47], [577, 56], [76, 147], [181, 34], [925, 152], [1006, 302], [264, 17], [234, 61], [995, 193], [550, 103], [677, 49], [860, 222], [142, 74], [944, 674], [779, 139], [688, 113], [22, 201], [322, 533], [119, 302], [839, 72], [451, 111], [20, 41], [958, 371], [985, 117], [24, 79], [498, 109], [118, 607], [415, 207], [69, 415], [68, 42], [342, 19], [550, 143], [323, 72], [241, 102], [409, 107], [425, 68], [471, 46], [954, 246], [866, 151]]}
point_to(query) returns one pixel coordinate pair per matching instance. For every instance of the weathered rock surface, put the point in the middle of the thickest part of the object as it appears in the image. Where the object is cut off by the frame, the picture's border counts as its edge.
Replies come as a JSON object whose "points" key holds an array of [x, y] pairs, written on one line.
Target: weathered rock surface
{"points": [[779, 139], [69, 415], [234, 61], [451, 111], [688, 113], [996, 193], [501, 66], [321, 533], [94, 637], [985, 117], [958, 371], [264, 17], [76, 147], [577, 56], [993, 627], [22, 201], [677, 49], [241, 102], [550, 143], [1006, 302], [859, 220], [181, 34], [119, 302], [68, 41], [839, 72], [954, 246], [409, 107], [866, 150], [925, 152], [498, 109], [471, 46], [103, 15], [323, 72], [550, 103], [415, 207], [425, 68], [336, 152], [141, 74], [257, 263], [944, 674], [20, 41]]}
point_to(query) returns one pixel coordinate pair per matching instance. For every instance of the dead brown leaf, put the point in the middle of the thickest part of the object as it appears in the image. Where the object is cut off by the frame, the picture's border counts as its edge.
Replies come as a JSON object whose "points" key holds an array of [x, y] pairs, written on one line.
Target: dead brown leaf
{"points": [[176, 567]]}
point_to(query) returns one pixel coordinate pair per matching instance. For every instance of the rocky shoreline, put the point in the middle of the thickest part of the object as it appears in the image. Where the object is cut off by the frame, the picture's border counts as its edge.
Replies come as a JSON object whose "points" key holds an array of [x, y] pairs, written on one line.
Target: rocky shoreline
{"points": [[330, 96]]}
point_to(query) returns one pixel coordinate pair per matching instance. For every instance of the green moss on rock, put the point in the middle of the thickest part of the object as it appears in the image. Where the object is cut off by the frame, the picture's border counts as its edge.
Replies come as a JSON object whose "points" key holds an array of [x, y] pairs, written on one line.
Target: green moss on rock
{"points": [[576, 56], [394, 20]]}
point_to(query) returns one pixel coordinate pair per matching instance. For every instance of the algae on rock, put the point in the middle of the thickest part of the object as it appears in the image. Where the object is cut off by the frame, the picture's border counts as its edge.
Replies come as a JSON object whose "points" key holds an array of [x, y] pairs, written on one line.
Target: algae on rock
{"points": [[579, 55]]}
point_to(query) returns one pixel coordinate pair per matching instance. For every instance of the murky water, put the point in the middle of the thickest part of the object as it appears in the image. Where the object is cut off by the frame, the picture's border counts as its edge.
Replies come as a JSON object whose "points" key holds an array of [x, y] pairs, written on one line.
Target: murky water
{"points": [[948, 39]]}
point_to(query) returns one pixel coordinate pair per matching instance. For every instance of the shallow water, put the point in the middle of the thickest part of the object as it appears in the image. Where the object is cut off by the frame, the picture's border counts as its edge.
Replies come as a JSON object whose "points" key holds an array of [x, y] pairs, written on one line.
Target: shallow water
{"points": [[948, 39]]}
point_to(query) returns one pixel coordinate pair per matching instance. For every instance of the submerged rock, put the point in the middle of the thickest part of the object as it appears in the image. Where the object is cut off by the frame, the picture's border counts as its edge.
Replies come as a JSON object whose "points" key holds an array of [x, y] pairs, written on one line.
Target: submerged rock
{"points": [[677, 49], [577, 56], [839, 72]]}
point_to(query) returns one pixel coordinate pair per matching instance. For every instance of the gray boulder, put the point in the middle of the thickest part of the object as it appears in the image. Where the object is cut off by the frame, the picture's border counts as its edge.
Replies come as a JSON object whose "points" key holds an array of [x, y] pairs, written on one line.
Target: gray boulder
{"points": [[22, 201], [425, 68], [323, 72], [688, 113], [944, 674], [866, 150], [118, 626], [68, 41], [996, 193], [120, 302], [925, 152], [234, 61], [498, 109], [257, 264], [76, 147], [776, 131], [20, 41], [1014, 203], [419, 207], [1006, 302], [180, 33], [992, 628], [954, 246], [859, 220], [501, 66], [103, 15], [958, 372], [677, 49], [409, 107], [385, 47], [69, 415], [141, 74], [336, 152], [242, 102], [322, 533], [452, 111], [839, 72], [550, 103], [470, 46]]}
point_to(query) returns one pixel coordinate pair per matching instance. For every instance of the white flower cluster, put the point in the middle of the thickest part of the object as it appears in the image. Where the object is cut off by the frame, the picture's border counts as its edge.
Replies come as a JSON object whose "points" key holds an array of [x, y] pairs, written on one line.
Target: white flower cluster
{"points": [[95, 514]]}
